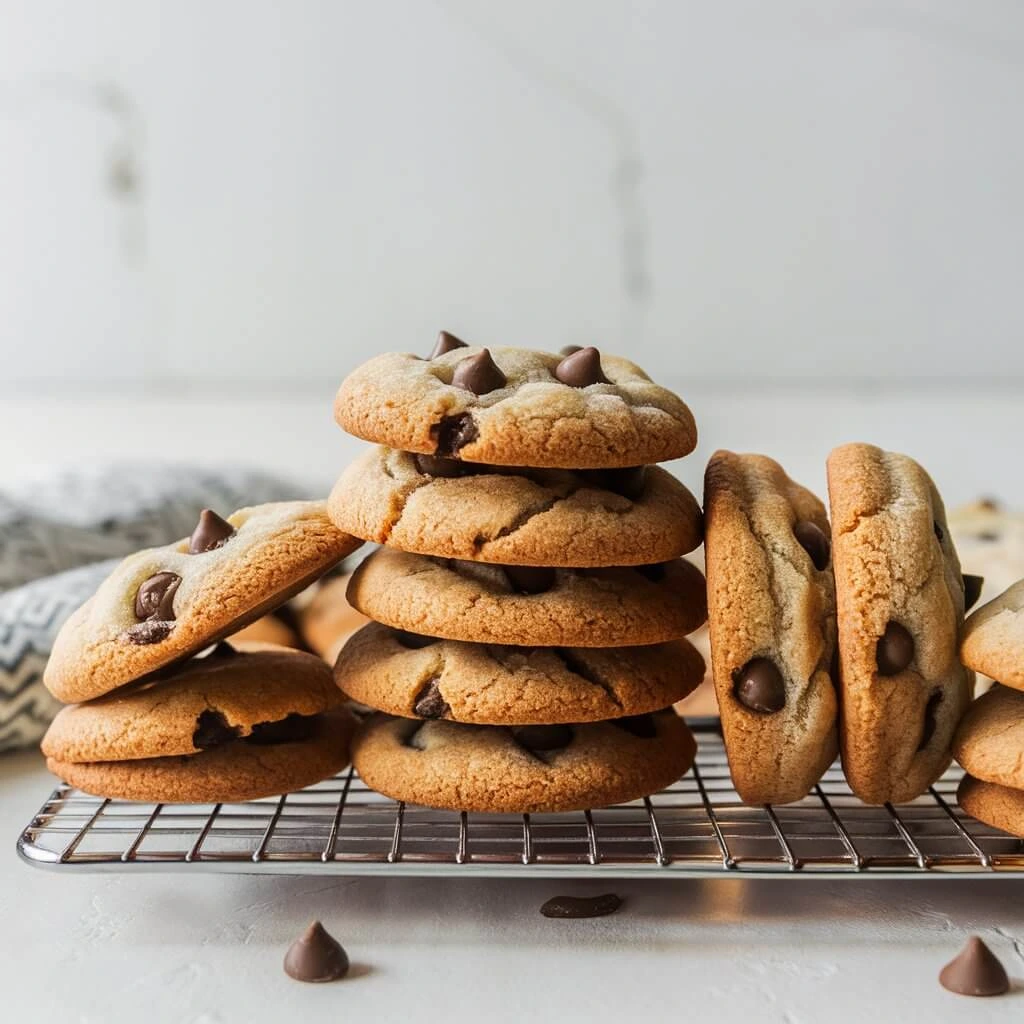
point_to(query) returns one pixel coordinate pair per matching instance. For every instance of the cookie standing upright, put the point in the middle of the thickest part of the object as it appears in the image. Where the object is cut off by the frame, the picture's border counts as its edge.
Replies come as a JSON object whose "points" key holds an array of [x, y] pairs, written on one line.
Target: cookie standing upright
{"points": [[771, 614], [900, 600]]}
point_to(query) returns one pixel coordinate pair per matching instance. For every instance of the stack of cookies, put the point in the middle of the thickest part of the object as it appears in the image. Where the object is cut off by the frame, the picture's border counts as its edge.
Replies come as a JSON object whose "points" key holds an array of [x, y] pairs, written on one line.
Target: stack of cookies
{"points": [[163, 708], [529, 600]]}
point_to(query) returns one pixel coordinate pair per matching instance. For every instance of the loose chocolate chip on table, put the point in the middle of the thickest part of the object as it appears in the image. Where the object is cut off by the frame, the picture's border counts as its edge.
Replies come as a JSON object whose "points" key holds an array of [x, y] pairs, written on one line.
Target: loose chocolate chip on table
{"points": [[542, 737], [530, 579], [628, 482], [212, 730], [292, 728], [316, 956], [211, 532], [479, 374], [454, 433], [972, 590], [895, 650], [429, 702], [433, 465], [928, 729], [641, 726], [975, 971], [939, 535], [813, 540], [759, 686], [581, 906], [581, 369], [414, 641], [154, 599], [446, 343], [567, 350]]}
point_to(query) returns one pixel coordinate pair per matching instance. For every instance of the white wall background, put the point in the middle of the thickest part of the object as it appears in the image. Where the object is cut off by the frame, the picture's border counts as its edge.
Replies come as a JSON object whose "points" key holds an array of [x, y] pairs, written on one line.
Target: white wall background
{"points": [[237, 194]]}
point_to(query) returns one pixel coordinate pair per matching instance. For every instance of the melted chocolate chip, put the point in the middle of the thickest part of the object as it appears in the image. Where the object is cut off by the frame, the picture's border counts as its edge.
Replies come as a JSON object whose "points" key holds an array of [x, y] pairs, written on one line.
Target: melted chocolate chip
{"points": [[976, 971], [939, 535], [211, 532], [972, 590], [567, 350], [212, 730], [581, 369], [150, 632], [628, 482], [479, 374], [413, 641], [641, 726], [581, 906], [895, 650], [539, 738], [291, 729], [655, 573], [760, 687], [454, 433], [316, 956], [813, 540], [530, 579], [429, 702], [446, 343], [433, 465], [928, 728], [154, 599]]}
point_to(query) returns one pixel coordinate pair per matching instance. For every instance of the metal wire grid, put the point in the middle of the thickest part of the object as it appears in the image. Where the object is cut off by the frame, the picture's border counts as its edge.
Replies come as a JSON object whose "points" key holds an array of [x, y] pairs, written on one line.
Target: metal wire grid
{"points": [[697, 827]]}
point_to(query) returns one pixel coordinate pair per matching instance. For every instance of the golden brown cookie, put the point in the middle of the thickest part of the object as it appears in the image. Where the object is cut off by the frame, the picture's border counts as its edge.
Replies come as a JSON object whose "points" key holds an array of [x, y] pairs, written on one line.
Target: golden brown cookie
{"points": [[327, 620], [487, 684], [989, 742], [900, 598], [772, 617], [527, 605], [517, 407], [163, 605], [523, 770], [998, 806], [530, 517], [268, 629], [992, 641]]}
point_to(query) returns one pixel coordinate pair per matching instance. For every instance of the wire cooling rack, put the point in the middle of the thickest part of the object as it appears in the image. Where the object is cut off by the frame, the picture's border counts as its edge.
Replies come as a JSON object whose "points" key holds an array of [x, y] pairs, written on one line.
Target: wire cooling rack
{"points": [[697, 827]]}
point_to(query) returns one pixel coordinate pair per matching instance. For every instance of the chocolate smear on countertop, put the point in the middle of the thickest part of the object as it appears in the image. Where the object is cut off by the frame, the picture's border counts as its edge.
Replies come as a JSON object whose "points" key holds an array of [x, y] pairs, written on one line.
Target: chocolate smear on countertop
{"points": [[316, 956], [976, 971], [972, 590], [479, 374], [446, 343], [211, 532], [581, 906], [581, 369]]}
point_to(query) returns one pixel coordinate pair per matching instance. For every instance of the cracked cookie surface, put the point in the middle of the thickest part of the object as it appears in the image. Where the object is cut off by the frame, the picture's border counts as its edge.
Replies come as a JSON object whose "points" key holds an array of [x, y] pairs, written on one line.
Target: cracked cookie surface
{"points": [[162, 605], [488, 684], [546, 518], [529, 770], [900, 601], [475, 601], [533, 419], [998, 806], [993, 638], [772, 621]]}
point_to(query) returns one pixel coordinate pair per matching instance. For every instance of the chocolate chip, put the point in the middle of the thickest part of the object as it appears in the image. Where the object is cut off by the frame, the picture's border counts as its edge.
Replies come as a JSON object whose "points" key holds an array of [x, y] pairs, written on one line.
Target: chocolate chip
{"points": [[567, 350], [895, 650], [211, 532], [446, 343], [433, 465], [581, 906], [151, 631], [212, 730], [928, 727], [581, 369], [759, 686], [989, 536], [429, 702], [972, 590], [454, 433], [975, 971], [641, 726], [628, 482], [655, 573], [414, 641], [316, 956], [292, 728], [939, 535], [154, 599], [812, 538], [542, 737], [479, 374], [530, 579]]}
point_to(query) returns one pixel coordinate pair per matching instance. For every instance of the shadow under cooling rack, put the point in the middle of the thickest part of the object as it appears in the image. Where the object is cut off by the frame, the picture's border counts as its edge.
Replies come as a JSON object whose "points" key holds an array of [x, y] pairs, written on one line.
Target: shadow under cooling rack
{"points": [[697, 827]]}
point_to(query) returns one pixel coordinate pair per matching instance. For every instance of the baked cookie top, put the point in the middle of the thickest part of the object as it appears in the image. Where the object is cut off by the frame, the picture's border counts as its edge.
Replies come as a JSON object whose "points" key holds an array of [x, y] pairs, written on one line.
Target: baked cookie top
{"points": [[990, 740], [516, 407], [526, 769], [163, 605], [993, 638], [530, 605], [772, 618], [549, 517], [487, 684], [900, 598]]}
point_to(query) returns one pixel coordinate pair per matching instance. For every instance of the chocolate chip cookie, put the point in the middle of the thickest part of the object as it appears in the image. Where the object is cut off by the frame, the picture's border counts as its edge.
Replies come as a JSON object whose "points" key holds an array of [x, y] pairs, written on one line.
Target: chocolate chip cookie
{"points": [[526, 517], [998, 806], [486, 684], [772, 617], [530, 605], [163, 605], [528, 769], [900, 598], [989, 742], [327, 620], [516, 407], [993, 638]]}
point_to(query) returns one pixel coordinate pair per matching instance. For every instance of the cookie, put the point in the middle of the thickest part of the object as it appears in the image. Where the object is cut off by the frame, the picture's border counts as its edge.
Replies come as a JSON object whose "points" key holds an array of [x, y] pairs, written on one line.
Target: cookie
{"points": [[900, 601], [989, 742], [995, 805], [236, 771], [163, 605], [473, 601], [993, 638], [522, 770], [225, 695], [327, 620], [530, 517], [516, 407], [269, 629], [772, 619], [485, 684]]}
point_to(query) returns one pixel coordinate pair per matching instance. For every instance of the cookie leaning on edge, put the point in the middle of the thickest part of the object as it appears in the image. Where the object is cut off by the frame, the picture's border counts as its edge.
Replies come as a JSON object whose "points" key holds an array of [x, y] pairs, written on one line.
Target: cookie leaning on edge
{"points": [[772, 619], [163, 605], [516, 407], [900, 599]]}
